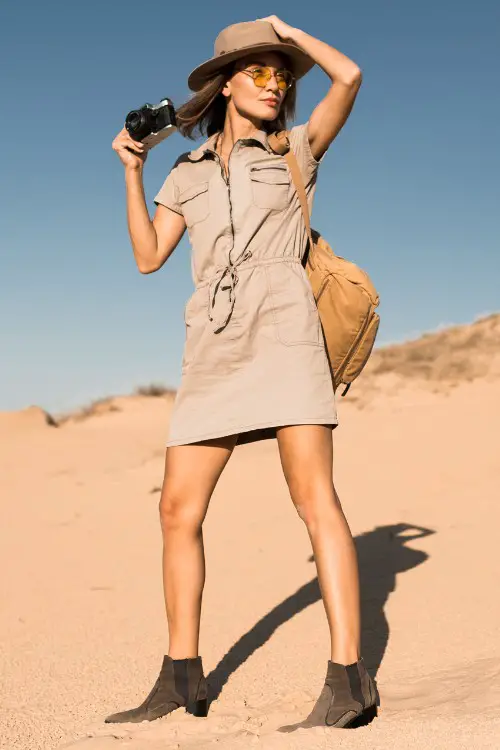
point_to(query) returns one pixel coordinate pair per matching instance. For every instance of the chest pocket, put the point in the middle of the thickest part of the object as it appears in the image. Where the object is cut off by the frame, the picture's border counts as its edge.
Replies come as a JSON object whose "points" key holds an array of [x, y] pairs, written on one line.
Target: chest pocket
{"points": [[195, 203], [270, 186]]}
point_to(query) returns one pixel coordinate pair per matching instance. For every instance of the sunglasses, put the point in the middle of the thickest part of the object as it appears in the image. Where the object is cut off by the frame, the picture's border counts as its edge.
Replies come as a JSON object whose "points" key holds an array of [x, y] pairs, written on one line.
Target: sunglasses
{"points": [[263, 74]]}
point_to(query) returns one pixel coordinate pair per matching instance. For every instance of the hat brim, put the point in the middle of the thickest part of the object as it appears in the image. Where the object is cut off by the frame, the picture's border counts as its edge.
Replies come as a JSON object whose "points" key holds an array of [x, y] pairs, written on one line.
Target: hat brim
{"points": [[301, 62]]}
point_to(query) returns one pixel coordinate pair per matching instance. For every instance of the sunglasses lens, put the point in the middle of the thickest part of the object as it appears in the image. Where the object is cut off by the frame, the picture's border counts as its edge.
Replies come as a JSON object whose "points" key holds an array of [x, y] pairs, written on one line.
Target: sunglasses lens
{"points": [[284, 79], [262, 75]]}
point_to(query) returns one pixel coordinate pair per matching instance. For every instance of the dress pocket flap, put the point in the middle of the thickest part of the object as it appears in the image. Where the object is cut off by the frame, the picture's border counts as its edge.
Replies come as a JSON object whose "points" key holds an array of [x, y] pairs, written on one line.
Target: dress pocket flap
{"points": [[270, 175], [192, 191]]}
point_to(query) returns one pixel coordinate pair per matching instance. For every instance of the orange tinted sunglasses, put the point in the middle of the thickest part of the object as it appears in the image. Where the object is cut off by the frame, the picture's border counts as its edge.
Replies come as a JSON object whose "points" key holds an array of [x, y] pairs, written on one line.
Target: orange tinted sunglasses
{"points": [[262, 74]]}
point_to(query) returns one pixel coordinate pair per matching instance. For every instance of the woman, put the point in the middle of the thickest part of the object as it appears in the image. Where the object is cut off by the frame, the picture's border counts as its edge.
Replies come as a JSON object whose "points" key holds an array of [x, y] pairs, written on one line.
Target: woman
{"points": [[254, 363]]}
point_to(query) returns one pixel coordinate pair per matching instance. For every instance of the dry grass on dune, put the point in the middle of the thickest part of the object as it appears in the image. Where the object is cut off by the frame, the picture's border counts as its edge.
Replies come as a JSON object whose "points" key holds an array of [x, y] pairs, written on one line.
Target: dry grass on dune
{"points": [[154, 390], [460, 353], [95, 408], [109, 404], [437, 361]]}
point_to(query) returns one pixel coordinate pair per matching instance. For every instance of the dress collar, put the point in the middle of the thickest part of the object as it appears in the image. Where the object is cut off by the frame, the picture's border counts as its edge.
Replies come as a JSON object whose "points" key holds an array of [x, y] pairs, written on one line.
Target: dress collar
{"points": [[208, 146]]}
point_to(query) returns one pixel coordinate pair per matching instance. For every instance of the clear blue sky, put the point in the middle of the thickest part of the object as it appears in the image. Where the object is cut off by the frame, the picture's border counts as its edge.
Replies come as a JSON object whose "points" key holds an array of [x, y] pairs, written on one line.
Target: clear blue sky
{"points": [[409, 190]]}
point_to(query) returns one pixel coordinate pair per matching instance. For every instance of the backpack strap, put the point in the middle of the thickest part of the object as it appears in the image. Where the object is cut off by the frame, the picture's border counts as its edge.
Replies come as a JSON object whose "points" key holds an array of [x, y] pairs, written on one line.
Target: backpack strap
{"points": [[280, 144]]}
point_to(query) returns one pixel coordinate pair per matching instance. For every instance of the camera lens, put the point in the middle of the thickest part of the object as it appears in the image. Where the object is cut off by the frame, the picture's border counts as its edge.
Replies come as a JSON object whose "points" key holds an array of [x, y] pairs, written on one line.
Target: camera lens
{"points": [[134, 120], [138, 124]]}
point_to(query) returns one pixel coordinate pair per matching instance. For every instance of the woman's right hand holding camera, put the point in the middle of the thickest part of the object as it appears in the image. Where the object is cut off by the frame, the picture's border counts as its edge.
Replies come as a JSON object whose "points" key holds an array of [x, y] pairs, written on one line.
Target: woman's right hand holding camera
{"points": [[122, 143]]}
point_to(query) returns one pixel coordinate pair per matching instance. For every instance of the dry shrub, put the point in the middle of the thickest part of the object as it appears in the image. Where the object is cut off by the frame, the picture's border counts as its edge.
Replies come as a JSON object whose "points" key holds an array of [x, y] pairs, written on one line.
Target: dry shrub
{"points": [[155, 390], [49, 419], [95, 408]]}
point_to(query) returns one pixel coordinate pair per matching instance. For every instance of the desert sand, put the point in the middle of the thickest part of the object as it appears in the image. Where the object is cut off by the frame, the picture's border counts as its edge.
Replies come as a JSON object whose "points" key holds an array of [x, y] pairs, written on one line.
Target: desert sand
{"points": [[416, 465]]}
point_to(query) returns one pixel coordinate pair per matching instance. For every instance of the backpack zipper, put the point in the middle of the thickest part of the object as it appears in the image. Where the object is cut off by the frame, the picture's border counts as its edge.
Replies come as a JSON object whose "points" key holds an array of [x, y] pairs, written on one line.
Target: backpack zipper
{"points": [[371, 318], [354, 345]]}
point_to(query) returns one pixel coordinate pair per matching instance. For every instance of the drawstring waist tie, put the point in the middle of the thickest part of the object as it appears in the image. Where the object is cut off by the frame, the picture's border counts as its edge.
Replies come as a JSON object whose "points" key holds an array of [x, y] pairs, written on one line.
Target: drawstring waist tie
{"points": [[225, 279]]}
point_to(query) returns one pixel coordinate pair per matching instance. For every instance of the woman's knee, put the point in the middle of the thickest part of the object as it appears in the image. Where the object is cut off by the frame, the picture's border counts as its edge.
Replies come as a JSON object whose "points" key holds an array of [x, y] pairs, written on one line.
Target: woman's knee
{"points": [[315, 505], [179, 512]]}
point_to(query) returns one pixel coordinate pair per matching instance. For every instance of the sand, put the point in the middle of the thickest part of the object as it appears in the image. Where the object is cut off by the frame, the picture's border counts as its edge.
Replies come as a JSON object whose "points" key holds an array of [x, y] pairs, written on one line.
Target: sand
{"points": [[83, 629]]}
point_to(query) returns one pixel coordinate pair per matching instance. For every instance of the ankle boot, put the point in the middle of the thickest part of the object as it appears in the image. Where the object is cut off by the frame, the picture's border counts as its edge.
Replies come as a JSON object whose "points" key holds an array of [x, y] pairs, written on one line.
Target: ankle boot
{"points": [[181, 682], [348, 699]]}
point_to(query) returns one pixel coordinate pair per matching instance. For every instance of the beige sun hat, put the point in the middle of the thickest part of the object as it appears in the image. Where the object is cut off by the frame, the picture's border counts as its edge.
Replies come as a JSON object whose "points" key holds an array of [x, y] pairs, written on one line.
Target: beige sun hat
{"points": [[244, 38]]}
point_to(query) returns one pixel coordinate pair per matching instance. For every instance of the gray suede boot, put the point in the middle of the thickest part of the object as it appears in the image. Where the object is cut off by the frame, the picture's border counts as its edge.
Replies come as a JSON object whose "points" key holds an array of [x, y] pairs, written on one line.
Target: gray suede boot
{"points": [[181, 682], [348, 699]]}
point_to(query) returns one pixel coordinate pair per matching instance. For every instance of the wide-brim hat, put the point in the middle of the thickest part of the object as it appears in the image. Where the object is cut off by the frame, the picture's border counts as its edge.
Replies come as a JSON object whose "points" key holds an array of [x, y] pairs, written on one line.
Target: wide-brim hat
{"points": [[241, 39]]}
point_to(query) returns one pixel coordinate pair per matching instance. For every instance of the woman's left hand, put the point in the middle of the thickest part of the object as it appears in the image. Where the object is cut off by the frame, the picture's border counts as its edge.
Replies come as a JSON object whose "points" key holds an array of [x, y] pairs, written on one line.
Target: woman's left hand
{"points": [[282, 29]]}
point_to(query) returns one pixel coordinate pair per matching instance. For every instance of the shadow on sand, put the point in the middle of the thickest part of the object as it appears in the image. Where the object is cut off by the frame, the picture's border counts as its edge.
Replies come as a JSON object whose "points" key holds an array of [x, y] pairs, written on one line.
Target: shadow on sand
{"points": [[382, 553]]}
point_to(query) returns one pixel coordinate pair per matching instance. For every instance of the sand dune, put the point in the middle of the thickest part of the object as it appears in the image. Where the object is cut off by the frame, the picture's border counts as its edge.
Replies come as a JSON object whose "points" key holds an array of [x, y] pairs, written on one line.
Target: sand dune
{"points": [[83, 633]]}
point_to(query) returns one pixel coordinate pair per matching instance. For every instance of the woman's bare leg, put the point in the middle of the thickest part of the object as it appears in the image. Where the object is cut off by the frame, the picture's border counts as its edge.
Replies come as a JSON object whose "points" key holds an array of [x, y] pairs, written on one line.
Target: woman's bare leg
{"points": [[306, 454], [191, 474]]}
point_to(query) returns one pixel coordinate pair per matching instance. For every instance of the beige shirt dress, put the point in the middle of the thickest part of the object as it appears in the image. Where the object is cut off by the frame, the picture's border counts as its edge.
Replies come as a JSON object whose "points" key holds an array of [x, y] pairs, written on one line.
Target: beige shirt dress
{"points": [[254, 355]]}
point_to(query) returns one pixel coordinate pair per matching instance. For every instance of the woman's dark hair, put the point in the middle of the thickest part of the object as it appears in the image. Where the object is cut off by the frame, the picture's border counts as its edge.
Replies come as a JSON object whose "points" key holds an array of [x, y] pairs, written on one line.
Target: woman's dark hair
{"points": [[205, 111]]}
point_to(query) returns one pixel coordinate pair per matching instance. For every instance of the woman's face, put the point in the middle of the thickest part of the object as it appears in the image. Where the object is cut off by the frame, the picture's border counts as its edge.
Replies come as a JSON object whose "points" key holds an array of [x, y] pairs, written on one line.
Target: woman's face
{"points": [[250, 100]]}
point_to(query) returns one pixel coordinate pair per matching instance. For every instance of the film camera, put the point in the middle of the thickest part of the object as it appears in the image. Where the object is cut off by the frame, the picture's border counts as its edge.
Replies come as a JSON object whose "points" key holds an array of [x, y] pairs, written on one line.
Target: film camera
{"points": [[152, 123]]}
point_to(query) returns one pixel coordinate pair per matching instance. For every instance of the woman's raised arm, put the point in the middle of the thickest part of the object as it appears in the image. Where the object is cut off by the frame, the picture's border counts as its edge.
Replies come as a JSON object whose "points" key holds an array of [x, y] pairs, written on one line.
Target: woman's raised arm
{"points": [[330, 115]]}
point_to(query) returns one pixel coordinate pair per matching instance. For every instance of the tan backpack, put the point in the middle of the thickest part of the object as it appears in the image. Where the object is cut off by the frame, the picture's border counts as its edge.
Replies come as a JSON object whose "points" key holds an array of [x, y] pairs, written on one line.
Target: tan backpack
{"points": [[345, 296]]}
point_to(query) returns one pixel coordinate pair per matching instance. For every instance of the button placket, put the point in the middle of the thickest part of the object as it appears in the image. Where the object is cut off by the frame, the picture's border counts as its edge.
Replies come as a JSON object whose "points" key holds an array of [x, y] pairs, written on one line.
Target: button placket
{"points": [[226, 277]]}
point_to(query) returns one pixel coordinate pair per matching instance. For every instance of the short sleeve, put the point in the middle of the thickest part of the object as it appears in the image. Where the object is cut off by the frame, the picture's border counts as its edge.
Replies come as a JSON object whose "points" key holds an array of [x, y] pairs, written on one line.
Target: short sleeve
{"points": [[299, 143], [168, 194]]}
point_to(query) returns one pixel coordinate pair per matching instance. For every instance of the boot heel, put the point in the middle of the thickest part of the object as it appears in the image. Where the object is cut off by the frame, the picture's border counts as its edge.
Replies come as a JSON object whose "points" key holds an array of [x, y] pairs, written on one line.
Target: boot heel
{"points": [[198, 708], [371, 713], [368, 715]]}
